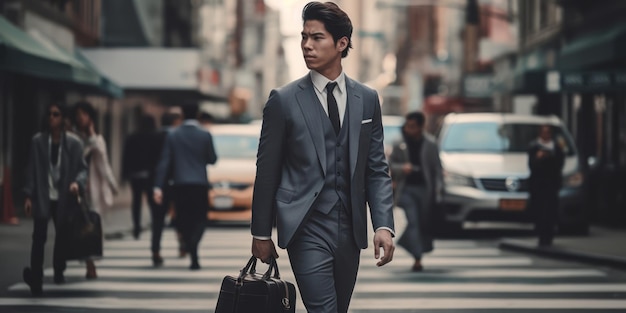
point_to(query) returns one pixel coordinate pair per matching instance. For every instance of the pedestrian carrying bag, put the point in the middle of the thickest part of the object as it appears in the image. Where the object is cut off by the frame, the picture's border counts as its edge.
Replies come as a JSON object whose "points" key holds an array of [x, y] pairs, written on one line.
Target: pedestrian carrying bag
{"points": [[84, 231], [251, 292]]}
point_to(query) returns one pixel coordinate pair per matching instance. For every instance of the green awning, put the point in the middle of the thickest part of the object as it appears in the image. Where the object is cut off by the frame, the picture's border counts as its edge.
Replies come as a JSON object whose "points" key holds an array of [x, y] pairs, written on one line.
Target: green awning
{"points": [[34, 55], [597, 48], [105, 84]]}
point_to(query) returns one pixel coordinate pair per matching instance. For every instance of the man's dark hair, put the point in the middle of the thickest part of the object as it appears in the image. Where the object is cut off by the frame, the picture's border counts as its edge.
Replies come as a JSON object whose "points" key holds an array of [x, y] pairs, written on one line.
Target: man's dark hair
{"points": [[418, 117], [147, 123], [190, 111], [206, 117], [335, 20], [45, 125]]}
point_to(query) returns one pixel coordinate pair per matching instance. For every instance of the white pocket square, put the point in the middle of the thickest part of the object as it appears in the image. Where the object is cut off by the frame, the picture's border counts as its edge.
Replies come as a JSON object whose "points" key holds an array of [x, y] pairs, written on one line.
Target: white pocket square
{"points": [[366, 121]]}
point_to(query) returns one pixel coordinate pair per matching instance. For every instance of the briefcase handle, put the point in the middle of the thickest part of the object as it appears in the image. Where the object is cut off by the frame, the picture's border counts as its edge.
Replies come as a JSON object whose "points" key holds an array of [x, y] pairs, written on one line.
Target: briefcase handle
{"points": [[250, 268]]}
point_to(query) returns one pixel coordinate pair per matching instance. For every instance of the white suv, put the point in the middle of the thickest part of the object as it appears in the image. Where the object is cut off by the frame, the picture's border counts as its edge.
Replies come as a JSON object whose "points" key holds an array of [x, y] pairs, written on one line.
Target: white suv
{"points": [[484, 157]]}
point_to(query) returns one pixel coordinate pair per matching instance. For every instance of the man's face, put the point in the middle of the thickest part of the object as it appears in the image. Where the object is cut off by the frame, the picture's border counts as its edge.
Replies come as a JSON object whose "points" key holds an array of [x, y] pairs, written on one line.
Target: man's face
{"points": [[318, 47], [545, 133], [55, 119], [412, 129]]}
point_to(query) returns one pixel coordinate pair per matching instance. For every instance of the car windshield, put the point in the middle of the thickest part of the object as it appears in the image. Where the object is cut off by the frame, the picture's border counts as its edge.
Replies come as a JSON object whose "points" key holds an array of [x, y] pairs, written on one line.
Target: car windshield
{"points": [[392, 133], [235, 146], [492, 137]]}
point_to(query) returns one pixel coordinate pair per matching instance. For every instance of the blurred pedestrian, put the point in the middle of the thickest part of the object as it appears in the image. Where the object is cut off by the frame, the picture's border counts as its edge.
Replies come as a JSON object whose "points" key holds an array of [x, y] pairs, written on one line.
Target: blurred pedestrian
{"points": [[206, 120], [188, 150], [321, 160], [416, 170], [56, 171], [139, 159], [171, 119], [101, 184], [545, 160]]}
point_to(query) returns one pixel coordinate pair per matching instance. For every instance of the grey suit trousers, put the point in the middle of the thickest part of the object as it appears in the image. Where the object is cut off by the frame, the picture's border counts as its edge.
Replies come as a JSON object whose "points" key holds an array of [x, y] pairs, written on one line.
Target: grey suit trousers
{"points": [[325, 260]]}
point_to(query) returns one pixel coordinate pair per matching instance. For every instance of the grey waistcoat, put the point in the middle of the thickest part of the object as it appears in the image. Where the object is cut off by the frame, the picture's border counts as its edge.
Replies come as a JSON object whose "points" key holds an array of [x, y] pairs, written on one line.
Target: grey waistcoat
{"points": [[337, 182]]}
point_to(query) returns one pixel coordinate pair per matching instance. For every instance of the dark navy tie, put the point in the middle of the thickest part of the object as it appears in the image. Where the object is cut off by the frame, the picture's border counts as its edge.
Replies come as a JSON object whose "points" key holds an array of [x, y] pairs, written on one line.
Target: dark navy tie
{"points": [[333, 110]]}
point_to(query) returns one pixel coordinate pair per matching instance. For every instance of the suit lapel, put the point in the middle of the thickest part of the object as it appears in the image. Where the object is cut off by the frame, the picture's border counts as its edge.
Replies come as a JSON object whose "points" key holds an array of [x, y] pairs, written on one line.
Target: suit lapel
{"points": [[355, 115], [309, 105]]}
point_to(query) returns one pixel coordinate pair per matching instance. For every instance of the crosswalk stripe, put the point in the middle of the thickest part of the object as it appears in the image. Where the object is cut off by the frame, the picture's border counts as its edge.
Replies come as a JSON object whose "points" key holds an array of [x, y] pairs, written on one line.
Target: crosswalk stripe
{"points": [[371, 304], [166, 273], [236, 240], [236, 252], [367, 262], [378, 287]]}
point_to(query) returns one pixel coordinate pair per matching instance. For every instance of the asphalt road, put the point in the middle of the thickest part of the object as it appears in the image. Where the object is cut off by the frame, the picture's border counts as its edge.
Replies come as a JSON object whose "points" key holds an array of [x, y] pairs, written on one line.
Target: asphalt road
{"points": [[465, 273]]}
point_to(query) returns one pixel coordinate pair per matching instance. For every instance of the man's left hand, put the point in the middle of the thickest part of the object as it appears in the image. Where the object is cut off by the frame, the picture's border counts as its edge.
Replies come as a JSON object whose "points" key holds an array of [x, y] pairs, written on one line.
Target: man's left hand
{"points": [[74, 188], [383, 239]]}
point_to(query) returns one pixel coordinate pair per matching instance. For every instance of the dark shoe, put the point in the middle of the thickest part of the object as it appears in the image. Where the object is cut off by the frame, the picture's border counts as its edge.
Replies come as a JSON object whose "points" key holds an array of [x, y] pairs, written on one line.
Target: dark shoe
{"points": [[194, 266], [35, 286], [91, 270], [59, 278], [157, 261], [417, 268], [136, 233]]}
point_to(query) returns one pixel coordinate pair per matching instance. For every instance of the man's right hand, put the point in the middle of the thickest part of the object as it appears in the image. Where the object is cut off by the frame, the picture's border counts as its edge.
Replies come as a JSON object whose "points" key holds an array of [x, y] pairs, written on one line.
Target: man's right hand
{"points": [[264, 249], [158, 196], [28, 207]]}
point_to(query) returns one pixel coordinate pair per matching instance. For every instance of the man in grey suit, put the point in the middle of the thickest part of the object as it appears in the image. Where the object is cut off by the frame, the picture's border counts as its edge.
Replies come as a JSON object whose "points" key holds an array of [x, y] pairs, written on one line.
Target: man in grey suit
{"points": [[187, 151], [416, 170], [320, 160]]}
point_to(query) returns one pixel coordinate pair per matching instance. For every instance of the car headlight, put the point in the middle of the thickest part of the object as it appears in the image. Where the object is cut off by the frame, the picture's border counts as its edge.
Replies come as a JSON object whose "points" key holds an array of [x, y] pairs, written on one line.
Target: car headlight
{"points": [[452, 179], [574, 180]]}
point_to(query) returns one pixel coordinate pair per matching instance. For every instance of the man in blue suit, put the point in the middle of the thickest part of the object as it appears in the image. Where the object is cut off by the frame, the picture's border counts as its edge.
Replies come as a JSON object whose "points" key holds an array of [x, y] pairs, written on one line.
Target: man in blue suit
{"points": [[187, 151], [320, 161]]}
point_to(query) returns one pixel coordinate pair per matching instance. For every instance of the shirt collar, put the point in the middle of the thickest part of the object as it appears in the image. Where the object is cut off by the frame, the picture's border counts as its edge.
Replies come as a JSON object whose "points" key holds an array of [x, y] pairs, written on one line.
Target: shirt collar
{"points": [[320, 81], [192, 122]]}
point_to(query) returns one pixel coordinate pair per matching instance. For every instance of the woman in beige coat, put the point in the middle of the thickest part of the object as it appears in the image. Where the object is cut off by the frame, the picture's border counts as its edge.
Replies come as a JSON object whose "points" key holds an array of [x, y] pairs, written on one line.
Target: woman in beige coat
{"points": [[101, 184]]}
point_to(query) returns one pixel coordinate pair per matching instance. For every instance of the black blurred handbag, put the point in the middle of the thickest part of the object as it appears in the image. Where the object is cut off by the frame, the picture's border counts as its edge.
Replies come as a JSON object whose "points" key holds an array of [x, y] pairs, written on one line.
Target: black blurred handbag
{"points": [[83, 231], [251, 292]]}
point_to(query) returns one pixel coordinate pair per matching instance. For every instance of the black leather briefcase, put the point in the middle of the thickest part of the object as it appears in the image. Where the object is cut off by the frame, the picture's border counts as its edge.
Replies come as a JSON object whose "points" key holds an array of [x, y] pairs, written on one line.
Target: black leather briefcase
{"points": [[83, 231], [251, 292]]}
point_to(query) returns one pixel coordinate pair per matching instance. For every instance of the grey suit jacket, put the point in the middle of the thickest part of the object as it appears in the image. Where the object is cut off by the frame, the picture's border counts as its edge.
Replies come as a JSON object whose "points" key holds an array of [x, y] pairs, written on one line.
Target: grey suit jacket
{"points": [[187, 150], [431, 167], [73, 169], [291, 161]]}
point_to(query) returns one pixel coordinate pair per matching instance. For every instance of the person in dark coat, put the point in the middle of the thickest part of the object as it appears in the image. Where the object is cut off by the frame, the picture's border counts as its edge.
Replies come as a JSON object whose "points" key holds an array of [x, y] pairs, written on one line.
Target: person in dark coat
{"points": [[416, 170], [187, 151], [545, 160], [56, 172], [141, 155], [138, 162]]}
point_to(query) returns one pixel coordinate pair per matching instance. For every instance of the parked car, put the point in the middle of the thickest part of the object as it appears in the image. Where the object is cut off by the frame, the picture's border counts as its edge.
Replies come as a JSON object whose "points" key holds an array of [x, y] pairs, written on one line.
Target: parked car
{"points": [[485, 163], [232, 177], [392, 131]]}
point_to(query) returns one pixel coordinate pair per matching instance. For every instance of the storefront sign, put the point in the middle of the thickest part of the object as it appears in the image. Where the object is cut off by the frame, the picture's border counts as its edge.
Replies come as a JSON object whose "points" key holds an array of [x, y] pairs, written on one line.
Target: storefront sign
{"points": [[593, 81], [478, 86]]}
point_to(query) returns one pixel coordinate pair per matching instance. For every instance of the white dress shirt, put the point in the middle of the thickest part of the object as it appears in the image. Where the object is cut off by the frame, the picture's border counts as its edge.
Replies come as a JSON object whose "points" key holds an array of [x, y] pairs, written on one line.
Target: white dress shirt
{"points": [[320, 82]]}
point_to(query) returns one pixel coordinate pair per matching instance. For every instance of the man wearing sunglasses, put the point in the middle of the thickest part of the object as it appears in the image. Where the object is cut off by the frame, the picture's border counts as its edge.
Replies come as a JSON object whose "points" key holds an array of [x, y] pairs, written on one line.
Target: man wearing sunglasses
{"points": [[56, 169]]}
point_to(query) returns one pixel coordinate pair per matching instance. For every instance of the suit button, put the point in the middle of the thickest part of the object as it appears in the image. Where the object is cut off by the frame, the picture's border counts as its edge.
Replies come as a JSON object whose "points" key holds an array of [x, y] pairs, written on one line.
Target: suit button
{"points": [[338, 173], [338, 159], [338, 145]]}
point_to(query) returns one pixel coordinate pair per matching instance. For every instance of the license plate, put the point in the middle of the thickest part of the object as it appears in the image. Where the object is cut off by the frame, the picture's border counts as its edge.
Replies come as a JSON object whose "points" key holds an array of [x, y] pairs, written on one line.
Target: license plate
{"points": [[222, 203], [512, 204]]}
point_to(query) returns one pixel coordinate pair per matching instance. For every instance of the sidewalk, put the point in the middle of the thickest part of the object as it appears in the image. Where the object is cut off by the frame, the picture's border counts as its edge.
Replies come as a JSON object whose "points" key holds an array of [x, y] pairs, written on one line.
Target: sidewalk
{"points": [[604, 246]]}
